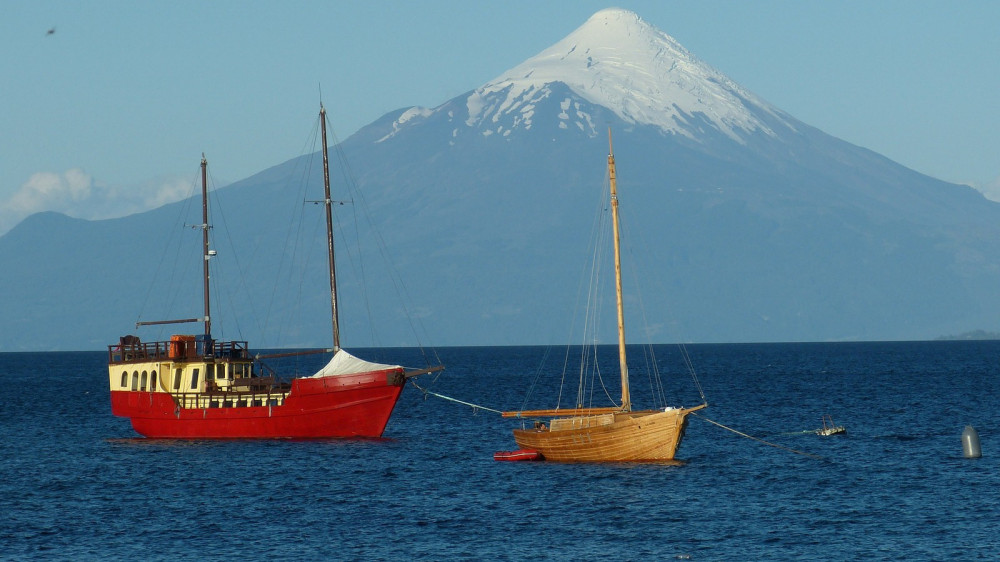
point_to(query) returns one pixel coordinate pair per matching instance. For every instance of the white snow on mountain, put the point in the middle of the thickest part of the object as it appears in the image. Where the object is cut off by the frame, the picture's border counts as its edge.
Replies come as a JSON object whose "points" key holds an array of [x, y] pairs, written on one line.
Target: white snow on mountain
{"points": [[618, 61], [414, 113]]}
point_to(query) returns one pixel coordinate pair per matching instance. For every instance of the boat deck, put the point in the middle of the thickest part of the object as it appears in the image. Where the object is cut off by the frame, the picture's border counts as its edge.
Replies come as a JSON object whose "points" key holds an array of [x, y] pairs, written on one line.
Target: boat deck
{"points": [[131, 350]]}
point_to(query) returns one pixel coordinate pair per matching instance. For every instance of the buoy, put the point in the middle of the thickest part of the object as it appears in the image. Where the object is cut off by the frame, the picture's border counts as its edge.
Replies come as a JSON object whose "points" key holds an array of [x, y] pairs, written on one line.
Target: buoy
{"points": [[970, 443]]}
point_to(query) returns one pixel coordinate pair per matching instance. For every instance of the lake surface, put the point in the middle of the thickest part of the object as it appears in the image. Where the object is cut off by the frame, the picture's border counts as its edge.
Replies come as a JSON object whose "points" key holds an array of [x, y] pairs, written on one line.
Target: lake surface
{"points": [[77, 483]]}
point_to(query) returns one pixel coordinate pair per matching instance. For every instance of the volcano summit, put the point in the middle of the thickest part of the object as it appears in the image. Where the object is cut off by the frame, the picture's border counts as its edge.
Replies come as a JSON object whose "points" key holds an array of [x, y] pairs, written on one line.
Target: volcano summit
{"points": [[761, 227]]}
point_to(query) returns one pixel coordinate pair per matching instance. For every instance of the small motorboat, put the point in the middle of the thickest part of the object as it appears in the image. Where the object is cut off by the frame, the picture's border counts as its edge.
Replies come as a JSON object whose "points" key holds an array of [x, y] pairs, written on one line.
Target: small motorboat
{"points": [[518, 455], [829, 428]]}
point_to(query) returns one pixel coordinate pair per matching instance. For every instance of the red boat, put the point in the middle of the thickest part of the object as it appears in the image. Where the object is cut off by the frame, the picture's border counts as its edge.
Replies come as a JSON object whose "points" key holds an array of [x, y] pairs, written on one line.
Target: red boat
{"points": [[195, 387], [518, 455]]}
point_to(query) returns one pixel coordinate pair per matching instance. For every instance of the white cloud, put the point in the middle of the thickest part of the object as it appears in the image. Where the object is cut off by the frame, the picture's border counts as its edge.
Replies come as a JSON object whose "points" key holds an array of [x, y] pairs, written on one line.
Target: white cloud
{"points": [[165, 191], [50, 191], [75, 193], [990, 190]]}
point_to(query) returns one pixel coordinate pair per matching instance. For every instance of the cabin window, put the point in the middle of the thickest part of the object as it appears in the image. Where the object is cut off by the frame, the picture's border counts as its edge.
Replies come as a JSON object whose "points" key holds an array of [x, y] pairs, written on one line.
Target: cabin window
{"points": [[194, 379], [221, 369], [177, 378], [152, 380], [145, 379], [124, 383], [209, 373], [135, 380]]}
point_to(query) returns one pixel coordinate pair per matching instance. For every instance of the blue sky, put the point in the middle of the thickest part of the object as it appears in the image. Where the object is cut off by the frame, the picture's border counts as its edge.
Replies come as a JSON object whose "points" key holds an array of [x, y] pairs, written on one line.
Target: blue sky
{"points": [[110, 114]]}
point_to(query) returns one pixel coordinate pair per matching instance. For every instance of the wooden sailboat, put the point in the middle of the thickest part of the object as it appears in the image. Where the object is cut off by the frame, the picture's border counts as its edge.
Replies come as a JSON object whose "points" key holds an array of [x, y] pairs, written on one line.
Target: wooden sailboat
{"points": [[613, 434], [197, 387]]}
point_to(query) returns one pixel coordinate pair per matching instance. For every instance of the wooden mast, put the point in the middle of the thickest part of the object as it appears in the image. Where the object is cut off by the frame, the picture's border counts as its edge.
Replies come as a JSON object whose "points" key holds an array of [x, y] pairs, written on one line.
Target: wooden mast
{"points": [[626, 405], [327, 201], [626, 399], [205, 251], [612, 434]]}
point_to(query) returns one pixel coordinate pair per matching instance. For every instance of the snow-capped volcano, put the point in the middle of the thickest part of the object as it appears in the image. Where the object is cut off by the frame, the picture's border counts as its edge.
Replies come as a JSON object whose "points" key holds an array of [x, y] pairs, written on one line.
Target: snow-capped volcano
{"points": [[618, 61], [753, 225]]}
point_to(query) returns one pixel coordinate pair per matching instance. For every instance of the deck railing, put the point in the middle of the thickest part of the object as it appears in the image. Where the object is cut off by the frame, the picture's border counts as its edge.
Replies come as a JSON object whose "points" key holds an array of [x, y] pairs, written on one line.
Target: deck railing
{"points": [[230, 399], [134, 351]]}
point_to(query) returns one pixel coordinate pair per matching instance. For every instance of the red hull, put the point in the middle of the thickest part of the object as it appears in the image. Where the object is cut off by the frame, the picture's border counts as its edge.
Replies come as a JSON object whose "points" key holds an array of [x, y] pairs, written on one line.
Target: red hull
{"points": [[329, 407], [518, 455]]}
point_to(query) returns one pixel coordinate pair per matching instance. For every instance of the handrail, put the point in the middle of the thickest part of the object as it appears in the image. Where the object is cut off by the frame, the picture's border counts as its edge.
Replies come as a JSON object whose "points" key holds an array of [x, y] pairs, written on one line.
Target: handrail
{"points": [[274, 396], [137, 352]]}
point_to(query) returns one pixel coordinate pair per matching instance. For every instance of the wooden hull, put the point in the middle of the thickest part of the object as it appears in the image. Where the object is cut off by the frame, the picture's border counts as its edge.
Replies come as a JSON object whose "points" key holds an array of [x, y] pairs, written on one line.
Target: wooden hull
{"points": [[328, 407], [649, 436]]}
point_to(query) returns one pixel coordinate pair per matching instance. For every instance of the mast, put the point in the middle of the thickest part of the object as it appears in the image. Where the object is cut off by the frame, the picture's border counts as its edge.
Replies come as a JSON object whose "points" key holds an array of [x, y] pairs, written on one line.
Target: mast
{"points": [[626, 399], [205, 251], [328, 203]]}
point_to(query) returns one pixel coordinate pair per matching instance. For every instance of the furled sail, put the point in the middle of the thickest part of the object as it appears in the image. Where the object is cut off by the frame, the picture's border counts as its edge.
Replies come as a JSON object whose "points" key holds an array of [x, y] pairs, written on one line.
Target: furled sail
{"points": [[343, 363]]}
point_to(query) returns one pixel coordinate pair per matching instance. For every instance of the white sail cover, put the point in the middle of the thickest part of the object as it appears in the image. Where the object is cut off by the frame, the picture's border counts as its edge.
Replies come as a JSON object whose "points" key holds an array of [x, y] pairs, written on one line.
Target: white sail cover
{"points": [[343, 363]]}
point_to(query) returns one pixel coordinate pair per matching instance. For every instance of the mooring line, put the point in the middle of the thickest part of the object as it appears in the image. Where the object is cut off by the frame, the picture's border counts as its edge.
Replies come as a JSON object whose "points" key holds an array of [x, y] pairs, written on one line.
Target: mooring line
{"points": [[740, 433], [475, 407]]}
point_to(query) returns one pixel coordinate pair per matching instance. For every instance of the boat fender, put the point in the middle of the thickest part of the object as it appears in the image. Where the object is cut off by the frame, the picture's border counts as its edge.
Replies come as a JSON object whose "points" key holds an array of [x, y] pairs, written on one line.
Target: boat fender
{"points": [[970, 443]]}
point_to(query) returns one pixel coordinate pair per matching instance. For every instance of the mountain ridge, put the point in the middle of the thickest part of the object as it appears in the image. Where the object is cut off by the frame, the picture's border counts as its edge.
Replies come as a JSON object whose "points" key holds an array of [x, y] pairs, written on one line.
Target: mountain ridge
{"points": [[774, 233]]}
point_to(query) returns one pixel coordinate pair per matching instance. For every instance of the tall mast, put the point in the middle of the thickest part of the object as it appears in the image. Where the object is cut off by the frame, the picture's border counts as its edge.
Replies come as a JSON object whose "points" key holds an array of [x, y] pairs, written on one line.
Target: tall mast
{"points": [[626, 399], [204, 238], [328, 203]]}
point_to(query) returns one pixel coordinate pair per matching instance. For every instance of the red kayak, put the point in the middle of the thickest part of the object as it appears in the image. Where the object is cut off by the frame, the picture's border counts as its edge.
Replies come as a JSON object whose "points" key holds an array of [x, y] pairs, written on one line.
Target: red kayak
{"points": [[518, 455]]}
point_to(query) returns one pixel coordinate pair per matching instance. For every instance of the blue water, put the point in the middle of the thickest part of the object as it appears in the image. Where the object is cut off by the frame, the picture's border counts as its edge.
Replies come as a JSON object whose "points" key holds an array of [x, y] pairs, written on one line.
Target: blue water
{"points": [[78, 484]]}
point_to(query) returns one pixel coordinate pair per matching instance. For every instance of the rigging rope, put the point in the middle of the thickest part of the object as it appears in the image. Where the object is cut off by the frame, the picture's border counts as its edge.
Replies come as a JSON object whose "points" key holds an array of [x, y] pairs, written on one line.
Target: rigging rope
{"points": [[173, 288], [392, 273], [740, 433], [217, 277], [475, 407], [694, 374], [538, 375]]}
